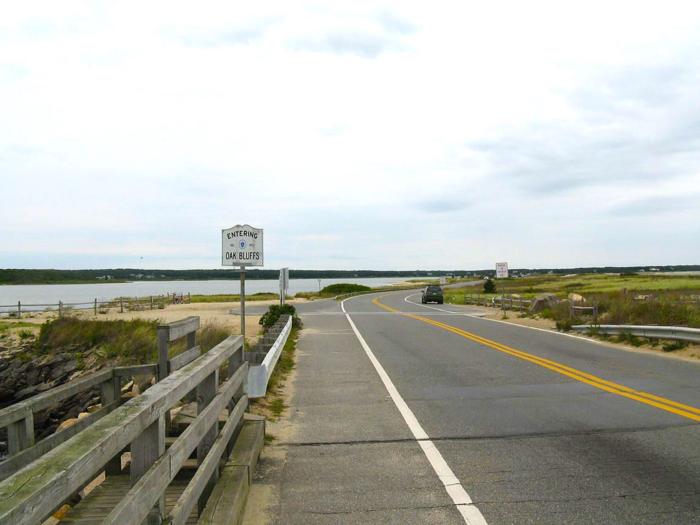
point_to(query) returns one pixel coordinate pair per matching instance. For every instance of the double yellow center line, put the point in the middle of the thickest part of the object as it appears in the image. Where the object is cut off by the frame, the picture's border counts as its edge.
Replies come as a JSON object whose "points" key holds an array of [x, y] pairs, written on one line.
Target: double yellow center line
{"points": [[621, 390]]}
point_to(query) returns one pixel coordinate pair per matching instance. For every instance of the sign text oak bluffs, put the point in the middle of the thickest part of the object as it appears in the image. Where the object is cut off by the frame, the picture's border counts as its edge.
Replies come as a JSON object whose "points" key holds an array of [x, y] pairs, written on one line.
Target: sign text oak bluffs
{"points": [[242, 246]]}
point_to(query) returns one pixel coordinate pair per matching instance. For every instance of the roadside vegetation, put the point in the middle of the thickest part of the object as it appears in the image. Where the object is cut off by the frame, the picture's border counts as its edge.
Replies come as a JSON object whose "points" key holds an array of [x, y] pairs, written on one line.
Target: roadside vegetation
{"points": [[234, 298], [275, 311], [126, 341], [634, 299]]}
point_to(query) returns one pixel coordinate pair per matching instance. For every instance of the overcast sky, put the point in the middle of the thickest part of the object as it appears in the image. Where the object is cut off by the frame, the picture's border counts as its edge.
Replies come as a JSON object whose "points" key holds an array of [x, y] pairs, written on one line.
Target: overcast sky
{"points": [[358, 135]]}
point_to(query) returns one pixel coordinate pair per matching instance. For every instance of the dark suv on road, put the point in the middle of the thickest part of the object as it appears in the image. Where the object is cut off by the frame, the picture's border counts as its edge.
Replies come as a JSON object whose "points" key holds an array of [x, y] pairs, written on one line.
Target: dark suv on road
{"points": [[432, 293]]}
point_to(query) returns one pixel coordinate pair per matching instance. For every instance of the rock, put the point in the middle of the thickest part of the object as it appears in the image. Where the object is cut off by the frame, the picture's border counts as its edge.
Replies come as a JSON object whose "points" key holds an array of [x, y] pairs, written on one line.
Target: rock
{"points": [[542, 301], [83, 415], [67, 423], [136, 390], [127, 388], [64, 369], [644, 298], [93, 408], [576, 298], [26, 392]]}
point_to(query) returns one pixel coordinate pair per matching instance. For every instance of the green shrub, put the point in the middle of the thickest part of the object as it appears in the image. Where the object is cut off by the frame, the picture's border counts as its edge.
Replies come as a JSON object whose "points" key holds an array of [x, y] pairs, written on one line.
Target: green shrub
{"points": [[25, 334], [547, 314], [489, 286], [343, 288], [674, 345], [564, 325], [274, 312]]}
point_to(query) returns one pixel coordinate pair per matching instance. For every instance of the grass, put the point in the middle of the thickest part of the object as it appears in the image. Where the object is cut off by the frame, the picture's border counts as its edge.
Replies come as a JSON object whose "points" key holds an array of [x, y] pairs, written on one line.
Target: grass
{"points": [[233, 298], [675, 298], [599, 283], [129, 342], [4, 326]]}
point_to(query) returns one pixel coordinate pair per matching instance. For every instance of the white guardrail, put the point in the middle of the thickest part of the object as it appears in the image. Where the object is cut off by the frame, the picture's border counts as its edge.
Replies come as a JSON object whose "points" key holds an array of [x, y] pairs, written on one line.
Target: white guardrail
{"points": [[657, 332], [258, 376]]}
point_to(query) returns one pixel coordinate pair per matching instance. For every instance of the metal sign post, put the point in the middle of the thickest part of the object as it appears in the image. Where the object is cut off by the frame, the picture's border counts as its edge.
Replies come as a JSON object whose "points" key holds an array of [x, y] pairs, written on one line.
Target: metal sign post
{"points": [[284, 284], [242, 246], [243, 303], [502, 273]]}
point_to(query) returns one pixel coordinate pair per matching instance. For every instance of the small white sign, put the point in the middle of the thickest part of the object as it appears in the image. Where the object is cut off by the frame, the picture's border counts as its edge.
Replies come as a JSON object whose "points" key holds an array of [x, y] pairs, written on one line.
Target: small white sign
{"points": [[242, 245], [284, 279], [443, 280], [502, 270]]}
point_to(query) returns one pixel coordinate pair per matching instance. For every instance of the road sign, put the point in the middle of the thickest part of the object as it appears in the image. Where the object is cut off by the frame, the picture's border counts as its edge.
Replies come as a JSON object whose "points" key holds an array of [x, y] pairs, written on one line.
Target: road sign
{"points": [[242, 245], [284, 283], [502, 270], [443, 280]]}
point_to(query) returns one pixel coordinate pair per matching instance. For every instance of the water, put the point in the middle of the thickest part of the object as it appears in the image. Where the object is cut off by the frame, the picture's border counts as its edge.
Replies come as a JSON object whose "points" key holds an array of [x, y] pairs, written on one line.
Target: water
{"points": [[85, 293]]}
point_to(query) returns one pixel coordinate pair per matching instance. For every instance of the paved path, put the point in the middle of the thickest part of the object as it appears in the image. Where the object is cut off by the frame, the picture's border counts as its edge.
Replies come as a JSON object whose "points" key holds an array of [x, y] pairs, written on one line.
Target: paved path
{"points": [[441, 417]]}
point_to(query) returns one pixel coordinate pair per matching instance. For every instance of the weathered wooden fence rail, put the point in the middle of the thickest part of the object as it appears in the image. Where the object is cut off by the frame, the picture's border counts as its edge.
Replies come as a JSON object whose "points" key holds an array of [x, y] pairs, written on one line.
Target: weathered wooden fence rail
{"points": [[39, 478], [139, 303]]}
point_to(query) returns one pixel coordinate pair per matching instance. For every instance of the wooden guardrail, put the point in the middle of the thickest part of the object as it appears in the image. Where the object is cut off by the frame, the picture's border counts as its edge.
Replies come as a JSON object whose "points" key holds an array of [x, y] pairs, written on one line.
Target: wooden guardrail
{"points": [[35, 492], [39, 478]]}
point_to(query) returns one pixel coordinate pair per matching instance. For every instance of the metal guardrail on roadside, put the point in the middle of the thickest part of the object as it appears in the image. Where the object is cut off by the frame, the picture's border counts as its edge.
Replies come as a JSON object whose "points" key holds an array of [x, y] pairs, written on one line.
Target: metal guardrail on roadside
{"points": [[259, 376], [679, 333]]}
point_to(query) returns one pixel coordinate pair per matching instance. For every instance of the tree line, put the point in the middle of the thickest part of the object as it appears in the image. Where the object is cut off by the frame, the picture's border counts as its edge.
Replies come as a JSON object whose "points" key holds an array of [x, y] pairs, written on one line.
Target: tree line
{"points": [[49, 276]]}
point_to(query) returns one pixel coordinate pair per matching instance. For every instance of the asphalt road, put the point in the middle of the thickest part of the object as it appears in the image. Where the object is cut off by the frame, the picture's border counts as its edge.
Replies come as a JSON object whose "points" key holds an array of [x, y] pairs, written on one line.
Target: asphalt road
{"points": [[405, 413]]}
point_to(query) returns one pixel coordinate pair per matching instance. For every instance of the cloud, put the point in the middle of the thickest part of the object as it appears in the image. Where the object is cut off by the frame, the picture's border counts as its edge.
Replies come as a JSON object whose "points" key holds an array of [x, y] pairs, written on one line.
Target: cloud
{"points": [[656, 205], [347, 42], [394, 23], [627, 126], [362, 36], [352, 133], [443, 205]]}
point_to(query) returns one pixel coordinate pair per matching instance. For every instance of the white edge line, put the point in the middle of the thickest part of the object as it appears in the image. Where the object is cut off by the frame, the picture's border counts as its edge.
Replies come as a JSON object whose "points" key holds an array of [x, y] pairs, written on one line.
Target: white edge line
{"points": [[462, 500]]}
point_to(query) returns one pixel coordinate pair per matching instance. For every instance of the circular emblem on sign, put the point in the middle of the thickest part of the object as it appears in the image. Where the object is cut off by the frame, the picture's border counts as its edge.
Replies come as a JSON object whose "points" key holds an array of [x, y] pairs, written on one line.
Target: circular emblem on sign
{"points": [[241, 245]]}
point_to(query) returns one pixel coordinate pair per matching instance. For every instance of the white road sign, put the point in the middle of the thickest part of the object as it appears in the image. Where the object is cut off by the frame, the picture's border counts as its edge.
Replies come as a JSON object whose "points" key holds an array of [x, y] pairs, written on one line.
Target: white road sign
{"points": [[443, 280], [502, 270], [284, 279], [242, 245]]}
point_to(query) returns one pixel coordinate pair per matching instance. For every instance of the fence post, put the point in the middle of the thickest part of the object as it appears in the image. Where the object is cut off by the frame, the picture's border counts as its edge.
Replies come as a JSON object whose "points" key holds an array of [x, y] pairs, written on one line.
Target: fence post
{"points": [[151, 302], [163, 339], [19, 310], [163, 355], [60, 308], [95, 307], [571, 310], [189, 297], [521, 304], [206, 391], [110, 391], [121, 305], [20, 434], [148, 446]]}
